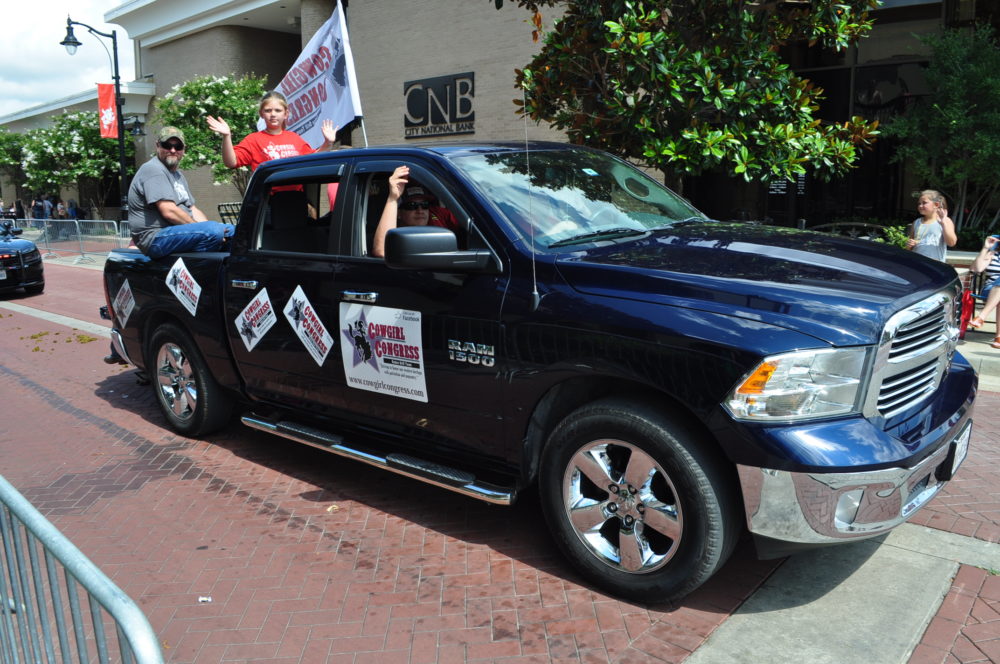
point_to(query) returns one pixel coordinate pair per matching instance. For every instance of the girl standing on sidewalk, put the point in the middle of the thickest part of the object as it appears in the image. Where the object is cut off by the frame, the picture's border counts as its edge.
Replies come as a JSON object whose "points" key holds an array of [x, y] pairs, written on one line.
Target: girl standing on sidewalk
{"points": [[934, 232]]}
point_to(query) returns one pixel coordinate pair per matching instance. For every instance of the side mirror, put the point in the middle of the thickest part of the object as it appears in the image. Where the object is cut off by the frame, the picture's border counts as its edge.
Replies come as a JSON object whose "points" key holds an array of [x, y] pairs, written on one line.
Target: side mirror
{"points": [[432, 248]]}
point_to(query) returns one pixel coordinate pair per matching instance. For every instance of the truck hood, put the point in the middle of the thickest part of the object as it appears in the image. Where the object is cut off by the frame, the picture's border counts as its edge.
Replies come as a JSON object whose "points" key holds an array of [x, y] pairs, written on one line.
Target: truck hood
{"points": [[836, 289]]}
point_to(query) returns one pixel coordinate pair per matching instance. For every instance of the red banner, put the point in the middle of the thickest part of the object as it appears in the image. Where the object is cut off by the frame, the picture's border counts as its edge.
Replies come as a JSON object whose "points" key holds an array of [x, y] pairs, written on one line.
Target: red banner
{"points": [[106, 110]]}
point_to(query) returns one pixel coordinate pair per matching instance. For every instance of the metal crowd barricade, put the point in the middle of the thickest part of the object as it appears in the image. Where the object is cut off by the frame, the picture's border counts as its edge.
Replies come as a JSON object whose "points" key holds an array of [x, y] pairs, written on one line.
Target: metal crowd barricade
{"points": [[97, 236], [31, 230], [57, 238], [41, 619]]}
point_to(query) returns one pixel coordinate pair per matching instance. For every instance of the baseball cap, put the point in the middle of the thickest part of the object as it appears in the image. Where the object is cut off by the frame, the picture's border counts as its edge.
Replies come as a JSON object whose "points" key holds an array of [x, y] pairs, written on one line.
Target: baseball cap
{"points": [[416, 194], [168, 132]]}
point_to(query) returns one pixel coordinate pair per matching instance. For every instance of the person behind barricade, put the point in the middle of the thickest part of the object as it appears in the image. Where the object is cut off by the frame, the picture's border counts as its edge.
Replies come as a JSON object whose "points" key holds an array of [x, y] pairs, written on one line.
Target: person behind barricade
{"points": [[59, 229], [988, 262], [272, 142], [162, 216], [934, 231], [37, 212], [409, 204]]}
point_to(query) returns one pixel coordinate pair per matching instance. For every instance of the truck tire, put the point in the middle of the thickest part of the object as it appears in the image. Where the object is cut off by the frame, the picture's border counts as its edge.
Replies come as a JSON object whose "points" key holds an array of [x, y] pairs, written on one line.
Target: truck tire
{"points": [[188, 395], [633, 499]]}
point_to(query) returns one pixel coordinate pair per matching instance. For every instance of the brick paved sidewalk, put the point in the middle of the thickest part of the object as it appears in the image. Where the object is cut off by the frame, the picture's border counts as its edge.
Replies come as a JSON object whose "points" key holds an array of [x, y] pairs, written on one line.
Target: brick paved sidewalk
{"points": [[967, 626], [311, 558], [307, 557]]}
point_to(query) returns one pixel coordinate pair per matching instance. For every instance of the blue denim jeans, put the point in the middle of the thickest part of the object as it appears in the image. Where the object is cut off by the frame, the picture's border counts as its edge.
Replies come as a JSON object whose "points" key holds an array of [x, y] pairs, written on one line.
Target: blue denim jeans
{"points": [[199, 236]]}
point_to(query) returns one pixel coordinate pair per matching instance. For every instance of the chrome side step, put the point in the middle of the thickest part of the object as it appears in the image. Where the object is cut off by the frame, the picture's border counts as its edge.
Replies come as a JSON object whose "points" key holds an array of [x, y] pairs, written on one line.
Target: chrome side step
{"points": [[453, 479]]}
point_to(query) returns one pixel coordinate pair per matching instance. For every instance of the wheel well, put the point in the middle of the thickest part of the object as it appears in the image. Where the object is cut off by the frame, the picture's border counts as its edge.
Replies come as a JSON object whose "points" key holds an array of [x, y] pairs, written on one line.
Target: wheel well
{"points": [[150, 326], [566, 397]]}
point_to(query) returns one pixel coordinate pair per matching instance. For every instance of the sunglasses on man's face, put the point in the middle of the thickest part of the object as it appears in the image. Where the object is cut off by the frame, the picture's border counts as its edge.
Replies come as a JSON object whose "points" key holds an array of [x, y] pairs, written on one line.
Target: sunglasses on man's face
{"points": [[415, 205], [172, 145]]}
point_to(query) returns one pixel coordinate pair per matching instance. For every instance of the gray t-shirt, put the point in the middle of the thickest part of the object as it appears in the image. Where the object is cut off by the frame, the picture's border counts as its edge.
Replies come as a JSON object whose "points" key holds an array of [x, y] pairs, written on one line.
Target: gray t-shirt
{"points": [[930, 239], [154, 182]]}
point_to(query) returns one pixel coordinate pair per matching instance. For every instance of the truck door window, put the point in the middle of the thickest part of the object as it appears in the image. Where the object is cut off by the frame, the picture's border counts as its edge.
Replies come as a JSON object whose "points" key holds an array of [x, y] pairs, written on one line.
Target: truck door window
{"points": [[374, 188], [298, 217]]}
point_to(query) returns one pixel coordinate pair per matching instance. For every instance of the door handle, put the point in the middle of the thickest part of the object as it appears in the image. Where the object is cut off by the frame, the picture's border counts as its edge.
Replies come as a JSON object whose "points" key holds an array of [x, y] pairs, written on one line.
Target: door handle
{"points": [[358, 296], [244, 283]]}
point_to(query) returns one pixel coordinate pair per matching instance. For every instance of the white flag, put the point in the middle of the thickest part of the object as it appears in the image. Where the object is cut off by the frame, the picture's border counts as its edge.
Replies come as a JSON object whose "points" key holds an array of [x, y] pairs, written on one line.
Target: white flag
{"points": [[321, 84]]}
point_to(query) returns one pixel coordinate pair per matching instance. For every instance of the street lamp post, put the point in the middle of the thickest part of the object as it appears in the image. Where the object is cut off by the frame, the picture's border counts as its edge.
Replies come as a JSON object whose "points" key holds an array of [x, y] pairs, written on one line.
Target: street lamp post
{"points": [[72, 43]]}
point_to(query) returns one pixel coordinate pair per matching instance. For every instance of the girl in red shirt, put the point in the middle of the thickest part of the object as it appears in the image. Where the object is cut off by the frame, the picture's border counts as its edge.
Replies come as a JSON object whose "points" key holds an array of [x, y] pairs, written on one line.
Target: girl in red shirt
{"points": [[274, 142]]}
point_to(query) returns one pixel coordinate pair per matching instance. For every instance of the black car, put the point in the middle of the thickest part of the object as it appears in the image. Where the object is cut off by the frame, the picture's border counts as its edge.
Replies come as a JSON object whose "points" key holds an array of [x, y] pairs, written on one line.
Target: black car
{"points": [[20, 262]]}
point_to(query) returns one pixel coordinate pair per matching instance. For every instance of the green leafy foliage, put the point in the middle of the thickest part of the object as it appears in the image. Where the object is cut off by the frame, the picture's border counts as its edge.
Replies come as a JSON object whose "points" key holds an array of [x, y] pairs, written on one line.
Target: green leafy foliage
{"points": [[688, 86], [951, 138], [897, 235], [11, 156], [234, 99], [71, 152]]}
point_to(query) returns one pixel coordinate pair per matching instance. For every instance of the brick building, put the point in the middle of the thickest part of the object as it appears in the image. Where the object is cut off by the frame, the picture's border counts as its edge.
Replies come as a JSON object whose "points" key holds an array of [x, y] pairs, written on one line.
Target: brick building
{"points": [[399, 43]]}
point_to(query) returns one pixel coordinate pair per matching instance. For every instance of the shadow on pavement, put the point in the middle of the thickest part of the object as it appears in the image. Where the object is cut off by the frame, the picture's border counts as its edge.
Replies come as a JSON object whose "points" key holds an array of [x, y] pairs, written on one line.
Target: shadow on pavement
{"points": [[518, 531]]}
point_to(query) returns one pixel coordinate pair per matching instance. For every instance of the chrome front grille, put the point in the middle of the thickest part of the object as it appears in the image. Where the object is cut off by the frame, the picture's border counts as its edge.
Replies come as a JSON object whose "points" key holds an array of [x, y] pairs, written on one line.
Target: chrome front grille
{"points": [[920, 334], [906, 388], [913, 355]]}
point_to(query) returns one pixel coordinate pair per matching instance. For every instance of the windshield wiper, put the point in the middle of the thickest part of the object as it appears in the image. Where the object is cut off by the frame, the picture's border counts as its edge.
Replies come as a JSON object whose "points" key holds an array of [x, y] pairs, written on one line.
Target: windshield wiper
{"points": [[605, 234]]}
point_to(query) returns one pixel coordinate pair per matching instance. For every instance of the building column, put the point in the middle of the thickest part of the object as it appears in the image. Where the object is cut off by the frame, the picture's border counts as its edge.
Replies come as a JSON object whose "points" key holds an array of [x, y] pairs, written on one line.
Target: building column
{"points": [[314, 14]]}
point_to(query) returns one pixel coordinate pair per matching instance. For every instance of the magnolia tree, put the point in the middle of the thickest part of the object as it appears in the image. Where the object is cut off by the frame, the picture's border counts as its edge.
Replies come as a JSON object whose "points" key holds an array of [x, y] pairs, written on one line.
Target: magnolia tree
{"points": [[11, 156], [72, 152], [234, 99], [951, 138], [688, 86]]}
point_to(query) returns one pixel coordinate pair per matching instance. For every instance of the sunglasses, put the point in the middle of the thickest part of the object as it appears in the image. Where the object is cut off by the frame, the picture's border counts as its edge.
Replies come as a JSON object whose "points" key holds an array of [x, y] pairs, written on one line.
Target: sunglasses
{"points": [[415, 205], [174, 145]]}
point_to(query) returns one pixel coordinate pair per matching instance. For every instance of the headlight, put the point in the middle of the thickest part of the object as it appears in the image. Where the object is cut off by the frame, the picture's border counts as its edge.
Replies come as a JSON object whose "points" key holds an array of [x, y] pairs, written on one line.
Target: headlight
{"points": [[801, 385]]}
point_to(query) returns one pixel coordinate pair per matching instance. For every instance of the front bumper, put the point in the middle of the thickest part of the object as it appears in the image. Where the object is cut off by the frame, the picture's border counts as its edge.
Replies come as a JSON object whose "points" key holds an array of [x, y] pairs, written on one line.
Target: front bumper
{"points": [[787, 511]]}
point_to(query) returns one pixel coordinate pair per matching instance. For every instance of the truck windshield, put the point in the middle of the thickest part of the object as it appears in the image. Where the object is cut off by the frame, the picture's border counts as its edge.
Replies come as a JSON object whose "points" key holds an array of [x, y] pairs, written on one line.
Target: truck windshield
{"points": [[556, 198]]}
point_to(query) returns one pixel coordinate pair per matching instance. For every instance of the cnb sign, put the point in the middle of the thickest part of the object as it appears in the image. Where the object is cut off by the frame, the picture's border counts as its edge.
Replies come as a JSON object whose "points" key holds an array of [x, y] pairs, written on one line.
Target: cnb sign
{"points": [[440, 106]]}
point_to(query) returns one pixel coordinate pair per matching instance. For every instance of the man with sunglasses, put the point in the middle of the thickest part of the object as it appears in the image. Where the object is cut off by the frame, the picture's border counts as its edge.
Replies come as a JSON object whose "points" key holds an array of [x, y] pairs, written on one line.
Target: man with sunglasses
{"points": [[409, 204], [162, 215]]}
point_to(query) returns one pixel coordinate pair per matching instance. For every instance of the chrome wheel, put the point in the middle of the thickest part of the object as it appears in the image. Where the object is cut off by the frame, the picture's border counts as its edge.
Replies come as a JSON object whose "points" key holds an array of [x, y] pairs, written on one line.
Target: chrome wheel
{"points": [[177, 386], [187, 393], [623, 506], [641, 503]]}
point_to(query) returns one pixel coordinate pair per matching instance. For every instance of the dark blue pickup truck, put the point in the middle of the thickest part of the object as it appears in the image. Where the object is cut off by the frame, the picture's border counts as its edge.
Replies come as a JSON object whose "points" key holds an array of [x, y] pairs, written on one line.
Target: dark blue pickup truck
{"points": [[666, 381]]}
